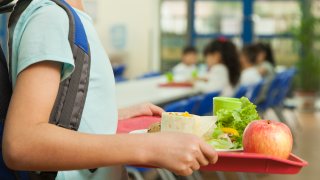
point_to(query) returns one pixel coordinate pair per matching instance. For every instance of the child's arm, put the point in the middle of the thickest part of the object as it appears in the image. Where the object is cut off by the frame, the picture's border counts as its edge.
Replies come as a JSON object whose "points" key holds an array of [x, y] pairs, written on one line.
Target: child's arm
{"points": [[263, 71], [31, 143], [201, 79]]}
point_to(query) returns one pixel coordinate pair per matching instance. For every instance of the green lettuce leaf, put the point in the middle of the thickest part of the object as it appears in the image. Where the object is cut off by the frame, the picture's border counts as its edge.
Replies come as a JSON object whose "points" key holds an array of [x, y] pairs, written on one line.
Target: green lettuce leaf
{"points": [[237, 143], [220, 143], [216, 133], [238, 119]]}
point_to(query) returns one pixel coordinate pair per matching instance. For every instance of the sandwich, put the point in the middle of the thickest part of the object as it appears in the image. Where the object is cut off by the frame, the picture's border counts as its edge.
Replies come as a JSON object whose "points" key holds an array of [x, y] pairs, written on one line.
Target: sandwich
{"points": [[201, 126]]}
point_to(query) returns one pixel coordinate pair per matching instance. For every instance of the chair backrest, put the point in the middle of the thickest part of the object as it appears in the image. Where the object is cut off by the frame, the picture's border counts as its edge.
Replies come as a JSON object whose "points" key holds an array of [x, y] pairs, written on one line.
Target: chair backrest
{"points": [[178, 106], [149, 75], [272, 92], [241, 91], [256, 90], [284, 86], [194, 104], [119, 70], [206, 105], [120, 79]]}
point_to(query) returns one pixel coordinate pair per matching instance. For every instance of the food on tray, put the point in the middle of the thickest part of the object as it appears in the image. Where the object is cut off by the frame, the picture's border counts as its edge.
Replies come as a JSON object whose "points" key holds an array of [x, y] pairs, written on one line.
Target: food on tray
{"points": [[188, 123], [231, 122], [223, 131], [226, 130], [156, 127], [269, 138]]}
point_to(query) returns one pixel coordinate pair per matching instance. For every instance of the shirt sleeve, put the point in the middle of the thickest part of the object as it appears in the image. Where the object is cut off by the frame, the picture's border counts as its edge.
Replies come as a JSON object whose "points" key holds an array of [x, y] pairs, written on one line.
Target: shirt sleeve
{"points": [[177, 69], [217, 80], [250, 77], [45, 38]]}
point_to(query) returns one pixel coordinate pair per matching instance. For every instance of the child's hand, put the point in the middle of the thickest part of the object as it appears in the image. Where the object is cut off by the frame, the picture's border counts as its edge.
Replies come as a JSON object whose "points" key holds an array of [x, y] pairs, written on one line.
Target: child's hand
{"points": [[202, 79], [145, 109], [180, 153]]}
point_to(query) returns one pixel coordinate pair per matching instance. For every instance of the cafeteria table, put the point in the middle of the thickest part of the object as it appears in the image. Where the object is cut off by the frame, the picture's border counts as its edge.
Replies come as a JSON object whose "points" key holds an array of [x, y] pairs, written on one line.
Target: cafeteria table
{"points": [[147, 90]]}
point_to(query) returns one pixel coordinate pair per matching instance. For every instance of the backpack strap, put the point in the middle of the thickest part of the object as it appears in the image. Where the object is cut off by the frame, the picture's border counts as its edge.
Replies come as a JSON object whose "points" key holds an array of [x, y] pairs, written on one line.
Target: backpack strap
{"points": [[6, 8], [5, 2], [5, 87], [5, 84], [5, 96], [69, 104], [14, 17]]}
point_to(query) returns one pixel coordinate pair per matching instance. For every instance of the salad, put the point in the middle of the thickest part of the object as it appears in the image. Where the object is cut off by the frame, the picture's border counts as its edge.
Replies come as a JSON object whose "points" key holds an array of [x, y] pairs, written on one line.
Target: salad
{"points": [[231, 124]]}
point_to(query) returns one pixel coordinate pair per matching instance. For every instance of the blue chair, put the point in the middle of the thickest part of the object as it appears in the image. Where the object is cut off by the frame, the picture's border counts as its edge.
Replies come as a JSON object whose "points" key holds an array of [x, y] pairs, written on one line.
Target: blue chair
{"points": [[241, 91], [285, 80], [279, 104], [206, 105], [178, 106], [271, 93], [120, 79], [277, 93], [149, 75], [119, 70], [291, 72], [193, 104], [285, 85], [256, 91]]}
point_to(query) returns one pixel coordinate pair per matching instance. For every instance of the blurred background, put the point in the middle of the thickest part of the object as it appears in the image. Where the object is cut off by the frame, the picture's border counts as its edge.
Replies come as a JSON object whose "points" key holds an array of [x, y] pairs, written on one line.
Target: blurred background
{"points": [[145, 40]]}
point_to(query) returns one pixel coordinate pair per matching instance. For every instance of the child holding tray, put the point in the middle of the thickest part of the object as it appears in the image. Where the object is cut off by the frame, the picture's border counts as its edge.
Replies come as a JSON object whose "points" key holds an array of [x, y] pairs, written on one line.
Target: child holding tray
{"points": [[42, 59]]}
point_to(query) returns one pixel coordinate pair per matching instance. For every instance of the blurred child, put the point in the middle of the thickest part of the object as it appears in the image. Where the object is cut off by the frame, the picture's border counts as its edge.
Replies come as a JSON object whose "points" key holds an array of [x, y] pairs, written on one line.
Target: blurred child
{"points": [[223, 67], [265, 61], [187, 67], [266, 67], [248, 58]]}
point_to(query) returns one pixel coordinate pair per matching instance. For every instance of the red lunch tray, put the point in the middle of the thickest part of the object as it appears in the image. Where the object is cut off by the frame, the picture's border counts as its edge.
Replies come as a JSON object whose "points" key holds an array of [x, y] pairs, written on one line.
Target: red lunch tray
{"points": [[143, 122], [256, 163], [230, 161], [176, 84]]}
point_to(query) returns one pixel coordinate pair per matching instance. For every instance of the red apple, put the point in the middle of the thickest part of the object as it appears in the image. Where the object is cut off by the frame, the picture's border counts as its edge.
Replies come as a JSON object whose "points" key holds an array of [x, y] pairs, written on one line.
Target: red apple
{"points": [[268, 137]]}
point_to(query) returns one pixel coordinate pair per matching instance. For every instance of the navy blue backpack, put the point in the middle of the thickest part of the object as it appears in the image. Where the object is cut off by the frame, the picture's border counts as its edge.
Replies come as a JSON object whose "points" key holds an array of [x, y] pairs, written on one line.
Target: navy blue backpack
{"points": [[68, 107]]}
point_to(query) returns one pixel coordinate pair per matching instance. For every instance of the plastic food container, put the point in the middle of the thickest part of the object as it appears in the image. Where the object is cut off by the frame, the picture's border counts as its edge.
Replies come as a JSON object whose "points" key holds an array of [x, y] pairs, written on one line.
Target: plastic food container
{"points": [[225, 103]]}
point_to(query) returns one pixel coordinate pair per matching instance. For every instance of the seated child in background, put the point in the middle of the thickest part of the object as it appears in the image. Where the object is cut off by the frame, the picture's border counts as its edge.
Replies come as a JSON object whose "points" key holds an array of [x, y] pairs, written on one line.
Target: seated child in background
{"points": [[266, 67], [223, 67], [248, 58], [184, 70], [265, 61]]}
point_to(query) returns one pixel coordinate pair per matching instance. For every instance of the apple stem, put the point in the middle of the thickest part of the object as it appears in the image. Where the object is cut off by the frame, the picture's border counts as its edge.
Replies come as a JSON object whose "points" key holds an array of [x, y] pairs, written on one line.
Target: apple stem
{"points": [[269, 122]]}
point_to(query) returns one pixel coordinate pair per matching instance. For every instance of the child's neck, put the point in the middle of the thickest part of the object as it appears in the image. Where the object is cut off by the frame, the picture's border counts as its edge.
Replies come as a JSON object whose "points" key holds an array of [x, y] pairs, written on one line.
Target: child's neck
{"points": [[215, 64], [187, 64], [247, 66], [76, 4]]}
